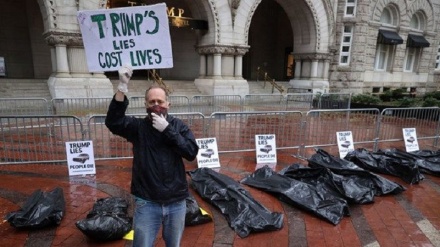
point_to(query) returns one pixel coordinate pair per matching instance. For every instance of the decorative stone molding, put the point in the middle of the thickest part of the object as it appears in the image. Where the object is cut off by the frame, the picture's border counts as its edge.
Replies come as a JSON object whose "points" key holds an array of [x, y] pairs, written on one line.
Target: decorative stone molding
{"points": [[234, 6], [223, 49], [312, 56], [216, 21], [249, 18], [70, 39], [241, 50], [317, 24], [102, 4]]}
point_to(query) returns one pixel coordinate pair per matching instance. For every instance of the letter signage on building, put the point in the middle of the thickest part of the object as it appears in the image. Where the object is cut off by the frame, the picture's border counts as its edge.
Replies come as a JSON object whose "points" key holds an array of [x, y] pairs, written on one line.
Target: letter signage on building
{"points": [[135, 36]]}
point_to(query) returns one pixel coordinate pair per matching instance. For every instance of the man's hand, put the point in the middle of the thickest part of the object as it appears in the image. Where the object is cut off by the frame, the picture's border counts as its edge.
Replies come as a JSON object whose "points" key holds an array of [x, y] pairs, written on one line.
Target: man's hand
{"points": [[125, 73], [159, 122]]}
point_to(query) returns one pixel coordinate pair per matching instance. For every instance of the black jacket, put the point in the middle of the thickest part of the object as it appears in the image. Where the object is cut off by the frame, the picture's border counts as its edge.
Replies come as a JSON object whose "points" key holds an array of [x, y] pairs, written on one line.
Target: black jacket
{"points": [[158, 172]]}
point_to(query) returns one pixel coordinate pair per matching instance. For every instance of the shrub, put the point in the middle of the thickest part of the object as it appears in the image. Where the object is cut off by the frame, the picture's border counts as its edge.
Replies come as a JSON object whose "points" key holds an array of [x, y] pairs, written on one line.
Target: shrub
{"points": [[407, 102], [430, 101], [435, 95], [398, 93], [365, 99], [386, 96]]}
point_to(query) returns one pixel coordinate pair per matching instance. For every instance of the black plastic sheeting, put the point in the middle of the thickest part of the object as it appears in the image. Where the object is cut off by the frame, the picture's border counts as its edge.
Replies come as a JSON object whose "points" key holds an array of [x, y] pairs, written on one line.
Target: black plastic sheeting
{"points": [[387, 162], [294, 192], [108, 220], [41, 209], [243, 213], [428, 161], [381, 185], [194, 215], [350, 187]]}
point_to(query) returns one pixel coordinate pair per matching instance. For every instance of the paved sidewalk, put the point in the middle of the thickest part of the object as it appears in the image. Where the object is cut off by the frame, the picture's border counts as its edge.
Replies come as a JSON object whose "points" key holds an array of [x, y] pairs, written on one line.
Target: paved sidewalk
{"points": [[408, 219]]}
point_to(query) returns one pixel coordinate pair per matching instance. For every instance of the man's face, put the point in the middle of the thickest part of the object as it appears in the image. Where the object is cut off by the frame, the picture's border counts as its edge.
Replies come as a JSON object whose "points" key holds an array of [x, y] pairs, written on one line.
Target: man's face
{"points": [[156, 96], [156, 101]]}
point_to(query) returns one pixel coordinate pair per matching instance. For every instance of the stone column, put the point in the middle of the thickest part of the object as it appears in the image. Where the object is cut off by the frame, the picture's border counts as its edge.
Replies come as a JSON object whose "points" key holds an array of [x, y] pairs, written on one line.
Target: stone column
{"points": [[61, 41], [53, 59], [298, 63], [326, 68], [314, 69], [223, 70], [202, 69], [62, 64], [217, 70], [238, 61], [71, 78]]}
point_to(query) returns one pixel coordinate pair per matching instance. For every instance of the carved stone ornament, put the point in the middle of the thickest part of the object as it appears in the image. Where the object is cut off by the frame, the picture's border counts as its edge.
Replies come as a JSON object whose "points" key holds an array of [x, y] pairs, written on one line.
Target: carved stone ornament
{"points": [[312, 56], [69, 39], [222, 49]]}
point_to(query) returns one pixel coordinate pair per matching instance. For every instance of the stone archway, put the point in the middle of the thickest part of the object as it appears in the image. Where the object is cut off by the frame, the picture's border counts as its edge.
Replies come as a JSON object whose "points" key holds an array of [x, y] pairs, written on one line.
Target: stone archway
{"points": [[312, 25]]}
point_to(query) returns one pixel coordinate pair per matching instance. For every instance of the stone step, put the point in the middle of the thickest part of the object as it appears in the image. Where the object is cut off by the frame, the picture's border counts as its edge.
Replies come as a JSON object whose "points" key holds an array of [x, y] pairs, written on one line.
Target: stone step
{"points": [[178, 87], [38, 88], [258, 87], [24, 88]]}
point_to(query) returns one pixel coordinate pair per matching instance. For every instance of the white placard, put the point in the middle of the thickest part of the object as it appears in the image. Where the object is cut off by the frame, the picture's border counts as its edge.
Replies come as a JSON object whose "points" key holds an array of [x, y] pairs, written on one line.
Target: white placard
{"points": [[345, 143], [266, 149], [208, 153], [80, 158], [410, 137], [136, 36]]}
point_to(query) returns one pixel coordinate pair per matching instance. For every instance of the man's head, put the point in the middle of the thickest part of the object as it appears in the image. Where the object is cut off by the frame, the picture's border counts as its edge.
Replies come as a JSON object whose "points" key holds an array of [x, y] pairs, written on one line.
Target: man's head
{"points": [[156, 100]]}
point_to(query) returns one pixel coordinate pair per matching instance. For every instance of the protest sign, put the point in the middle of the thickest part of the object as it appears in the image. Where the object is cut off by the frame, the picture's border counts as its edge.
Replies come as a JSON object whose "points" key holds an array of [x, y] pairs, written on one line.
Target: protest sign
{"points": [[208, 153], [410, 137], [345, 143], [80, 158], [135, 36], [266, 150]]}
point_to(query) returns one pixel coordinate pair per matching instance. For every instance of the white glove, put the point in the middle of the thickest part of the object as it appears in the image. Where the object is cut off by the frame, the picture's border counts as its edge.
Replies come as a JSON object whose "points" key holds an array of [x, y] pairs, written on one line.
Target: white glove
{"points": [[159, 122], [125, 73]]}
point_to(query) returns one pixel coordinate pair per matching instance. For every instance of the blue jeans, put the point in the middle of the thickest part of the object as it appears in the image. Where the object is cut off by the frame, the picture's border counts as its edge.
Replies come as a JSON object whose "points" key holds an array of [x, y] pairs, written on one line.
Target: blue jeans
{"points": [[150, 216]]}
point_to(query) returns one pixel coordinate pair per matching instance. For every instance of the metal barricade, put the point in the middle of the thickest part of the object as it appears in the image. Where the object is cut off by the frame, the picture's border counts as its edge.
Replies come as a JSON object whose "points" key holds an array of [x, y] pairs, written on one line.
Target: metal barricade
{"points": [[207, 104], [332, 101], [110, 146], [264, 102], [320, 127], [31, 139], [80, 107], [424, 119], [178, 104], [107, 145], [299, 101], [235, 131], [24, 106]]}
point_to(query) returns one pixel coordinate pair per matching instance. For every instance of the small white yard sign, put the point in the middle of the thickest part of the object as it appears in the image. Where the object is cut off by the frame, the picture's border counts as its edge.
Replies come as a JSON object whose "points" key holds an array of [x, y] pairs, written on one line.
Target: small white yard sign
{"points": [[208, 153]]}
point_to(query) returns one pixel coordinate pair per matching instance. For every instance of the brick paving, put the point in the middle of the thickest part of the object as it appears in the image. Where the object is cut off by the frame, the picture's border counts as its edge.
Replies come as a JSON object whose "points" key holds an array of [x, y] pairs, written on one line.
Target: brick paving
{"points": [[408, 219]]}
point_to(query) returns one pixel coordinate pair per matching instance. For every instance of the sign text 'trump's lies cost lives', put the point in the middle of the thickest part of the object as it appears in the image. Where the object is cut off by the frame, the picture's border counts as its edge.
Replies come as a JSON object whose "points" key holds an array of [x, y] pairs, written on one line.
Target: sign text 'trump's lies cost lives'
{"points": [[135, 36]]}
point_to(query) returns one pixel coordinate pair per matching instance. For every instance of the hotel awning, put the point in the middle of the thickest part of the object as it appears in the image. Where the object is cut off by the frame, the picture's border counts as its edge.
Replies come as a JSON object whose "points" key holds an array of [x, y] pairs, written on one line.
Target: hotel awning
{"points": [[416, 41], [389, 37]]}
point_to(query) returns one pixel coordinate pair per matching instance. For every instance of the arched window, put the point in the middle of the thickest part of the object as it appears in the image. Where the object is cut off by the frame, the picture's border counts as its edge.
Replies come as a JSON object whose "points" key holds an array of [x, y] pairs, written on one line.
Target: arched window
{"points": [[389, 16], [415, 42], [388, 39], [418, 21]]}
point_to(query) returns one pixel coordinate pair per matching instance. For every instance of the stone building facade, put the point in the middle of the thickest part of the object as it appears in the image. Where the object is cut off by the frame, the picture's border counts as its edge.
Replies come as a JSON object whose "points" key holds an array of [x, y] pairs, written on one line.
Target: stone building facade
{"points": [[358, 46]]}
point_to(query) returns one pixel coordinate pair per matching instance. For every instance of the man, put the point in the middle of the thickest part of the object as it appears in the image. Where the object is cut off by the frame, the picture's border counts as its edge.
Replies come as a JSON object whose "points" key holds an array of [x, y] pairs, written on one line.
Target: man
{"points": [[158, 183]]}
